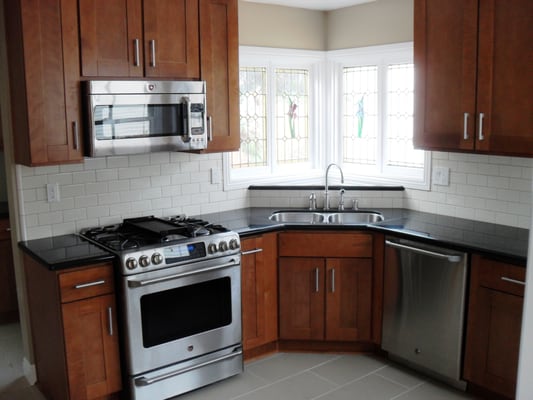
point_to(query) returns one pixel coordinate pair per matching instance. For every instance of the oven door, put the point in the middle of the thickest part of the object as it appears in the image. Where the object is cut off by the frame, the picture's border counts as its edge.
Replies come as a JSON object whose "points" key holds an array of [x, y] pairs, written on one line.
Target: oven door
{"points": [[180, 313], [138, 123]]}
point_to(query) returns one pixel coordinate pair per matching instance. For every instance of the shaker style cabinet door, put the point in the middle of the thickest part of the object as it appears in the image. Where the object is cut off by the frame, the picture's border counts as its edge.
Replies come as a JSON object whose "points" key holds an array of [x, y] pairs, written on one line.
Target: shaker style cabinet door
{"points": [[111, 38], [472, 72], [171, 39], [43, 55], [219, 53]]}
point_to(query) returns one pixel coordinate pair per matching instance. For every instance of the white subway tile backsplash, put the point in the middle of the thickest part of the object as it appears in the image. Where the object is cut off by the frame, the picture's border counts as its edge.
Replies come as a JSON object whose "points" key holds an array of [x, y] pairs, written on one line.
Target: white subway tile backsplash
{"points": [[105, 190]]}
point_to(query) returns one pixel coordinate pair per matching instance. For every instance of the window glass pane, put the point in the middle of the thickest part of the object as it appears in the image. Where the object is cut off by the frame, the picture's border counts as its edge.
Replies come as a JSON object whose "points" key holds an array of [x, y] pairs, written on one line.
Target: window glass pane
{"points": [[253, 110], [399, 134], [292, 115], [360, 115]]}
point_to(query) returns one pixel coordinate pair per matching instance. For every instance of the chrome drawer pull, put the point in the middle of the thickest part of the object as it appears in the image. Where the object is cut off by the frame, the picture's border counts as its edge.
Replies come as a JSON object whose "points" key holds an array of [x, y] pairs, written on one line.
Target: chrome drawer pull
{"points": [[89, 284], [465, 126], [316, 280], [333, 280], [245, 253], [136, 53], [152, 53], [506, 279], [110, 320], [481, 136]]}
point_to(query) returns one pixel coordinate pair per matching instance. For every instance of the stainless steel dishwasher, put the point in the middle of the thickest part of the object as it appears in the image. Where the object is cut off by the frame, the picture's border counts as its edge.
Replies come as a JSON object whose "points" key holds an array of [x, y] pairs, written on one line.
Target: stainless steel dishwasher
{"points": [[424, 306]]}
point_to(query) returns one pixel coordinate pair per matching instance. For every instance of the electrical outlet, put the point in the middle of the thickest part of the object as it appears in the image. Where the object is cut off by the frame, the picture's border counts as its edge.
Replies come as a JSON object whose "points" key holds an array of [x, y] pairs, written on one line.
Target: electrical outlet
{"points": [[441, 176], [216, 176], [52, 192]]}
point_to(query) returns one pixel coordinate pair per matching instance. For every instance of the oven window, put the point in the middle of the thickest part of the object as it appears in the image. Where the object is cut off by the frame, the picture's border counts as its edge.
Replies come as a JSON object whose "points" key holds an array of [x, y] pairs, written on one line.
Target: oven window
{"points": [[177, 313], [138, 121]]}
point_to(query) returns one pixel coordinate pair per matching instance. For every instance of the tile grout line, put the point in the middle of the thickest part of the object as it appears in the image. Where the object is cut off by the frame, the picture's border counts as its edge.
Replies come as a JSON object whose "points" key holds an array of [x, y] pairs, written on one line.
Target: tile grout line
{"points": [[408, 390]]}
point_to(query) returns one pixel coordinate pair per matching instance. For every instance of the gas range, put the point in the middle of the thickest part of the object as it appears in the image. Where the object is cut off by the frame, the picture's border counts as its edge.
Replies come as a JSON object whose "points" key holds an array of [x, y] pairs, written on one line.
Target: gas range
{"points": [[150, 243]]}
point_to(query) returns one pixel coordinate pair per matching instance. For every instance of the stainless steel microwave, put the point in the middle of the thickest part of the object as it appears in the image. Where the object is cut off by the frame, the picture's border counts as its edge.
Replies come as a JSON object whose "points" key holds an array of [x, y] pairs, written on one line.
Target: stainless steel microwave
{"points": [[131, 117]]}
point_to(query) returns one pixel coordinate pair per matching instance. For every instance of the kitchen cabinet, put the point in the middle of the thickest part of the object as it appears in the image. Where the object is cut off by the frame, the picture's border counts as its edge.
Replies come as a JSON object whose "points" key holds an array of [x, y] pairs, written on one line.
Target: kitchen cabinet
{"points": [[134, 38], [494, 325], [219, 53], [473, 82], [259, 272], [74, 331], [325, 285], [8, 289], [42, 45]]}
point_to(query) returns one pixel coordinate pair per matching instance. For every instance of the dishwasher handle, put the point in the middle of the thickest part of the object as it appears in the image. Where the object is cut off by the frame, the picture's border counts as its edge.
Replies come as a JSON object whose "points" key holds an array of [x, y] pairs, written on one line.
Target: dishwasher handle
{"points": [[449, 257]]}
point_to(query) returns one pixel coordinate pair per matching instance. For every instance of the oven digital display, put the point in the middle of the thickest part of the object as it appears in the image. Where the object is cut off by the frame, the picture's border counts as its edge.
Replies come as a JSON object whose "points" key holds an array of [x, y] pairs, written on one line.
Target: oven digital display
{"points": [[182, 252]]}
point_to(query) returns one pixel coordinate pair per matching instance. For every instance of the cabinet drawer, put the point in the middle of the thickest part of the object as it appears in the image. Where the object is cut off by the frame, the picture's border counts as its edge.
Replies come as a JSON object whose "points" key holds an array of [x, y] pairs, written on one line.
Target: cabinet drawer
{"points": [[87, 282], [302, 244], [500, 276]]}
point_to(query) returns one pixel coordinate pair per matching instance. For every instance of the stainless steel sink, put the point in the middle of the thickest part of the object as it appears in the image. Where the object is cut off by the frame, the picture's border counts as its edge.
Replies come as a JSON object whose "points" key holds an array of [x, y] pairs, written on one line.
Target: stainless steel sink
{"points": [[326, 217]]}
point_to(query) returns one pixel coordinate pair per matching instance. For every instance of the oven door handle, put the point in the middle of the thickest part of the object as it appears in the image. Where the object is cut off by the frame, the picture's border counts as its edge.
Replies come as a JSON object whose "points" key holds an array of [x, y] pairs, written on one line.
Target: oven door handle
{"points": [[145, 282], [149, 381]]}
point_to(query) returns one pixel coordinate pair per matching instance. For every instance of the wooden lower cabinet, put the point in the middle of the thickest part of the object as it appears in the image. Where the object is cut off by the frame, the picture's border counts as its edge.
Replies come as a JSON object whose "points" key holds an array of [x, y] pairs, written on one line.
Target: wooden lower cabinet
{"points": [[74, 331], [326, 298], [494, 325], [259, 292]]}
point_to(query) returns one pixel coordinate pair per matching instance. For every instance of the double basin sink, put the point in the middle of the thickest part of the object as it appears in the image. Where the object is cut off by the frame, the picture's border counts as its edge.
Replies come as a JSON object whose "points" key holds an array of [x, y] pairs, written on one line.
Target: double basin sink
{"points": [[326, 217]]}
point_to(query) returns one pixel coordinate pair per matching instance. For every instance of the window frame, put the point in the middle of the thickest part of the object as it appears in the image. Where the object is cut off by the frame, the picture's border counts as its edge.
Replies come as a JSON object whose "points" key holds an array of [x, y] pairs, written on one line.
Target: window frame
{"points": [[325, 109]]}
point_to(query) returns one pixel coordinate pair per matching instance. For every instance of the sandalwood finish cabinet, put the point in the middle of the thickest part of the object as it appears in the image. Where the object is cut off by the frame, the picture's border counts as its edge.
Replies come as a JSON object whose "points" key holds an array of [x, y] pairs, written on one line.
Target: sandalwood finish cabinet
{"points": [[325, 286], [259, 271], [494, 325], [135, 38], [8, 289], [473, 76], [42, 45], [170, 39], [74, 331]]}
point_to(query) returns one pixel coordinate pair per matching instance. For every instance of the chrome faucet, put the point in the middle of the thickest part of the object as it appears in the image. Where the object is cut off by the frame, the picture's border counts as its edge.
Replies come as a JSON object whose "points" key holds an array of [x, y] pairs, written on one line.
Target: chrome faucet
{"points": [[326, 194]]}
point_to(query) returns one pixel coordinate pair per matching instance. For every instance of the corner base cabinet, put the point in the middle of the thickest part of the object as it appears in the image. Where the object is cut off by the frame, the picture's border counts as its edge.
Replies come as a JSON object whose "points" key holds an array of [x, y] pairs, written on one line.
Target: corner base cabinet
{"points": [[494, 325], [326, 286], [74, 331]]}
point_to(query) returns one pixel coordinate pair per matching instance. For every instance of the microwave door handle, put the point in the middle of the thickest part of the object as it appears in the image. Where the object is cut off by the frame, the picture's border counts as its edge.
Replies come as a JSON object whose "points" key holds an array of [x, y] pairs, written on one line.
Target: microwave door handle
{"points": [[187, 119]]}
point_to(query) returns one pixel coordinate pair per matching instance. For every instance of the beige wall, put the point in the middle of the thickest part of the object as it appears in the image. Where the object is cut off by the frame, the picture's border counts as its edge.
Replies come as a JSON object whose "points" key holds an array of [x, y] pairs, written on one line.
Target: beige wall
{"points": [[277, 26], [379, 22]]}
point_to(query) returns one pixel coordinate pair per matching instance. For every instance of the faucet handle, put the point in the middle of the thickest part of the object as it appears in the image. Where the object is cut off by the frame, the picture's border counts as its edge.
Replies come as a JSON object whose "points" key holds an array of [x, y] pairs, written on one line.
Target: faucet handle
{"points": [[341, 199], [355, 204], [312, 201]]}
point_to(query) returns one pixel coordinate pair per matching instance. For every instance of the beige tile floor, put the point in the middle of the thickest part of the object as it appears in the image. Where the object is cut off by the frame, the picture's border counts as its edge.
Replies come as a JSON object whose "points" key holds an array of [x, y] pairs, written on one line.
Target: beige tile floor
{"points": [[284, 376]]}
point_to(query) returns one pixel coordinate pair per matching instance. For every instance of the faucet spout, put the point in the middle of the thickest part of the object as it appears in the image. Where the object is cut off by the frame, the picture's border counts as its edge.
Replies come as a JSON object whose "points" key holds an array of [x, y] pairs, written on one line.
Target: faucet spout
{"points": [[326, 194]]}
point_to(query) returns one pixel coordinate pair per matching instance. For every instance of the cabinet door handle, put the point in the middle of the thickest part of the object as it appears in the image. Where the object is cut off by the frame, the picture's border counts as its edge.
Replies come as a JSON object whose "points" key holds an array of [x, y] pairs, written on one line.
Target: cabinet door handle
{"points": [[89, 284], [506, 279], [332, 280], [152, 53], [110, 320], [75, 134], [481, 136], [245, 253], [317, 271], [465, 126], [136, 53], [210, 128]]}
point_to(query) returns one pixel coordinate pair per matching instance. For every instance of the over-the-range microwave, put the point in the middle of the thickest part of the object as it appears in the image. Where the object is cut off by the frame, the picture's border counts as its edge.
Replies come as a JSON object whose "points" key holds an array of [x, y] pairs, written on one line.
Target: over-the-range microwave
{"points": [[131, 117]]}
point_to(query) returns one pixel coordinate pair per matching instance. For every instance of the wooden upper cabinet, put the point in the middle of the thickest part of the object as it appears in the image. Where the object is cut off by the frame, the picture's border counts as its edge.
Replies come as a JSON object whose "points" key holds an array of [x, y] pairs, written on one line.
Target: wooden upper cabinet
{"points": [[473, 85], [111, 38], [134, 38], [42, 44], [219, 54]]}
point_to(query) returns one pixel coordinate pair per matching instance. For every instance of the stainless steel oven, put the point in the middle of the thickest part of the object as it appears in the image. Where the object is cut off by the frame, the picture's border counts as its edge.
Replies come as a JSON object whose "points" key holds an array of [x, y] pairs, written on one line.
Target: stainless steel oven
{"points": [[128, 117], [180, 298]]}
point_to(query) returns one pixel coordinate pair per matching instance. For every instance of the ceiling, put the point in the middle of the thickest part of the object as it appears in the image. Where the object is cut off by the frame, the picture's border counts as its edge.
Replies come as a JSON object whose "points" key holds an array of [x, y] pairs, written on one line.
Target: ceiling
{"points": [[324, 5]]}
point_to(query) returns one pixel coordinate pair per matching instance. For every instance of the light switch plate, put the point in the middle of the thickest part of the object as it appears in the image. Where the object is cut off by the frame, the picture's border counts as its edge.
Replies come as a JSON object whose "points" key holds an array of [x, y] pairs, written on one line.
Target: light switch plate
{"points": [[441, 176], [52, 192]]}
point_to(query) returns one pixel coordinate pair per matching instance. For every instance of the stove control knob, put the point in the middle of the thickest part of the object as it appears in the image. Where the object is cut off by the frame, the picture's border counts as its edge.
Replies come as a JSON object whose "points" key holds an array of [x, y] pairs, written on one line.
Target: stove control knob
{"points": [[234, 244], [144, 261], [212, 248], [131, 263], [157, 258], [223, 246]]}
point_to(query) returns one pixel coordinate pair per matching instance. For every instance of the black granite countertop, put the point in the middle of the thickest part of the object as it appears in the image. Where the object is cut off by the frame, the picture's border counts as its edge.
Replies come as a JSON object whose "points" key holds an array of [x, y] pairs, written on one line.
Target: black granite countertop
{"points": [[65, 251], [510, 243], [457, 233]]}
